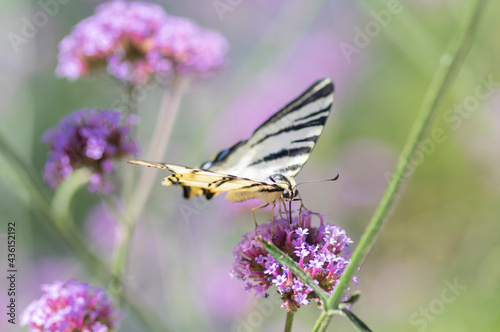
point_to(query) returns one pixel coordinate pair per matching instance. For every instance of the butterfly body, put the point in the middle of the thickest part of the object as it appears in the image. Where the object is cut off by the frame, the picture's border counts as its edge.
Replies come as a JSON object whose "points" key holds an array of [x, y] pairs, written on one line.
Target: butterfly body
{"points": [[265, 165]]}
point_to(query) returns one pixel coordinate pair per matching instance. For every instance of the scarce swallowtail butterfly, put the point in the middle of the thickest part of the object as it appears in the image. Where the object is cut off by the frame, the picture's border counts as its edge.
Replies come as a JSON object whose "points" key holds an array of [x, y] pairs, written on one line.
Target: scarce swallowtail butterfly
{"points": [[265, 165]]}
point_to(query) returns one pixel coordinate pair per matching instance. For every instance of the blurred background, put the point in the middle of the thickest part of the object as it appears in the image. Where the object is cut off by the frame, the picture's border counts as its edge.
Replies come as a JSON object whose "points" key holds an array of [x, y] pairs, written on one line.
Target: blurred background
{"points": [[435, 267]]}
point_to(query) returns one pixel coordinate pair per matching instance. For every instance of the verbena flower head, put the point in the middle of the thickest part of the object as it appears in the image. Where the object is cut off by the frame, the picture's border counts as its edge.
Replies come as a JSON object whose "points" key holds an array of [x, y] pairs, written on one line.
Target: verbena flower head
{"points": [[69, 306], [190, 48], [135, 41], [89, 138], [322, 252]]}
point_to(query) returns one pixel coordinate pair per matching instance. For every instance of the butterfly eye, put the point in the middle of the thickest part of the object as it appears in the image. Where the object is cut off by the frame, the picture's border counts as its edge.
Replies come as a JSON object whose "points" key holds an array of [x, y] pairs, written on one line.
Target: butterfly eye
{"points": [[295, 192], [287, 194]]}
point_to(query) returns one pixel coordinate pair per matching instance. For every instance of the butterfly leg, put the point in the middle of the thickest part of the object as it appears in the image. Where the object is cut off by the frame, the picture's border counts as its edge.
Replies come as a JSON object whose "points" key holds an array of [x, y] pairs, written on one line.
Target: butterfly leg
{"points": [[256, 208], [302, 206], [272, 220], [300, 209]]}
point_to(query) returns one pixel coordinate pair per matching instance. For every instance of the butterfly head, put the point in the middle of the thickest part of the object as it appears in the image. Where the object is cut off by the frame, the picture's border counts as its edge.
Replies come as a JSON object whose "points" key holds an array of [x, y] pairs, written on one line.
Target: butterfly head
{"points": [[288, 194], [288, 184]]}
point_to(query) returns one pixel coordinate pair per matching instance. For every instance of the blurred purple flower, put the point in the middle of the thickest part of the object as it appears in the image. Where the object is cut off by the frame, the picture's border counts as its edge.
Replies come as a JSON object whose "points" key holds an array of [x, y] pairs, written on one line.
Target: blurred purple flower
{"points": [[88, 138], [191, 49], [137, 40], [71, 306], [223, 296], [322, 252], [366, 166], [102, 229]]}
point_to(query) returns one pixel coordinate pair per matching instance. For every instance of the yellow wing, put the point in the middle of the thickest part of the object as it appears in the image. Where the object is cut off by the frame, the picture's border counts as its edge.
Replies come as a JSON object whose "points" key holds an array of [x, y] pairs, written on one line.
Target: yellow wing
{"points": [[196, 181]]}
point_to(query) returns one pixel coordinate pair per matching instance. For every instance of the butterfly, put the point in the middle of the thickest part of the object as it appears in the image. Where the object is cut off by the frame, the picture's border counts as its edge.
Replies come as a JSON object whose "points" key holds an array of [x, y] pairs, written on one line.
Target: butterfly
{"points": [[265, 165]]}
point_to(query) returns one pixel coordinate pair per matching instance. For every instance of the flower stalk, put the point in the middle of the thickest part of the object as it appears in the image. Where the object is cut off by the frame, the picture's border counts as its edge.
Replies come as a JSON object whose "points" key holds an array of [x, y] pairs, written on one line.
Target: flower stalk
{"points": [[289, 321], [157, 146], [159, 141], [63, 196]]}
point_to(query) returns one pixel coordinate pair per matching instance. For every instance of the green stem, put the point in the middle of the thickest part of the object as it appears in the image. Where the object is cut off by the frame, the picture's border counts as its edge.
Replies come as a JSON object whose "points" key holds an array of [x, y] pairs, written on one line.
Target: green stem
{"points": [[131, 102], [449, 65], [289, 321], [127, 173], [25, 173], [157, 147], [63, 196], [323, 320]]}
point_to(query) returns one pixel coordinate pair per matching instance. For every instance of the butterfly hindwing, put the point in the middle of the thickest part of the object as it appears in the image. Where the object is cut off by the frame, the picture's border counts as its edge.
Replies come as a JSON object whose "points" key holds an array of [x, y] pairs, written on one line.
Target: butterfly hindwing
{"points": [[196, 181]]}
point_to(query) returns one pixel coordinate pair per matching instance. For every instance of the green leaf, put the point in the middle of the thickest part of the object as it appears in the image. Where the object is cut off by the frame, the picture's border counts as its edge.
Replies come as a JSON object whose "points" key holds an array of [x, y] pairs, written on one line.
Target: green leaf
{"points": [[351, 300], [358, 323], [284, 259]]}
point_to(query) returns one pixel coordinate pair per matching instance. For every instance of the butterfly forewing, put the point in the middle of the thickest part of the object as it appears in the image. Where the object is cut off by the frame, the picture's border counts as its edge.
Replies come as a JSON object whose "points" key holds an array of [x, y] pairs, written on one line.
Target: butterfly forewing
{"points": [[283, 143]]}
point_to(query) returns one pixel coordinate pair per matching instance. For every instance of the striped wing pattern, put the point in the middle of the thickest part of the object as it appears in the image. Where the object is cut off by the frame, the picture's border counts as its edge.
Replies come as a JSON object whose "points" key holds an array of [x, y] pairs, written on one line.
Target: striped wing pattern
{"points": [[283, 143]]}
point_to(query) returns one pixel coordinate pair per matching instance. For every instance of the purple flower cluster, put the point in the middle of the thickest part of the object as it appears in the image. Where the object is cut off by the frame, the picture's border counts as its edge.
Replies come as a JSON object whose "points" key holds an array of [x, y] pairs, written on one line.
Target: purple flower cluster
{"points": [[71, 306], [322, 252], [135, 41], [88, 138]]}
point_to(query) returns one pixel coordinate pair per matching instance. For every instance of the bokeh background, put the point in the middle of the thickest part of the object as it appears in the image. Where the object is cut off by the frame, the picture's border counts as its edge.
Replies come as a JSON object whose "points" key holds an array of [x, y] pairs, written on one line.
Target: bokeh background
{"points": [[444, 230]]}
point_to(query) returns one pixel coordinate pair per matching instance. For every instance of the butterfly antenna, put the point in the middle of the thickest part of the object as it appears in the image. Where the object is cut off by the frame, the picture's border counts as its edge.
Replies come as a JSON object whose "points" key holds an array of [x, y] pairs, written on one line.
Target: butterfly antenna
{"points": [[324, 180]]}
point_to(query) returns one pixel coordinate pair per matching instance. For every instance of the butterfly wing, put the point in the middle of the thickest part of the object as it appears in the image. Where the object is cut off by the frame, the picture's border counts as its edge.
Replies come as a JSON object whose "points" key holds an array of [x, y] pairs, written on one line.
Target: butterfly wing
{"points": [[195, 181], [283, 143]]}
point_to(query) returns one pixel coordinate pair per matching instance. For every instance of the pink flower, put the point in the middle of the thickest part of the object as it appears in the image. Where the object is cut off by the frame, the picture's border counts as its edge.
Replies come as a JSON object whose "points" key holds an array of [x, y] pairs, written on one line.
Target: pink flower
{"points": [[135, 41], [191, 49], [322, 252], [71, 306]]}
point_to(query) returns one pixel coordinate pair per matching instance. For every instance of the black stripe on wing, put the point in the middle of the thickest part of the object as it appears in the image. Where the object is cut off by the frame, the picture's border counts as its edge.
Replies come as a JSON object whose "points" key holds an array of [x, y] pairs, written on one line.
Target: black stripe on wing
{"points": [[313, 139], [319, 122], [301, 100], [289, 169], [284, 153], [311, 115]]}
